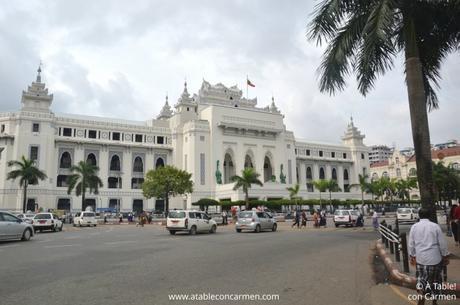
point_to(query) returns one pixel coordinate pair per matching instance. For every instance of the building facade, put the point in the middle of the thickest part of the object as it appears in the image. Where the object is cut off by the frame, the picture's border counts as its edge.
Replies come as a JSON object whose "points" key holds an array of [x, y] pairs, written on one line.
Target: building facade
{"points": [[213, 134], [379, 153]]}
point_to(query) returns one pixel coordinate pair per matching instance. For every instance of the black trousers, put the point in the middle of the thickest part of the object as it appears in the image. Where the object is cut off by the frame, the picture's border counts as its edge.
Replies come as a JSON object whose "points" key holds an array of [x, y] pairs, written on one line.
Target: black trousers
{"points": [[455, 230]]}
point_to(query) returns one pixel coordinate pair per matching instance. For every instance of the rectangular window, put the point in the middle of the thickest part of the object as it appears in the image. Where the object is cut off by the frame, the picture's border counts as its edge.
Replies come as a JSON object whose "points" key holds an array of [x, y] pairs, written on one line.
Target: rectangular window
{"points": [[92, 134], [185, 162], [160, 140], [332, 154], [344, 155], [35, 127], [320, 153], [116, 136], [2, 130], [308, 152], [362, 156], [202, 169], [138, 138], [67, 132], [33, 154], [364, 171], [202, 138], [295, 151], [288, 146]]}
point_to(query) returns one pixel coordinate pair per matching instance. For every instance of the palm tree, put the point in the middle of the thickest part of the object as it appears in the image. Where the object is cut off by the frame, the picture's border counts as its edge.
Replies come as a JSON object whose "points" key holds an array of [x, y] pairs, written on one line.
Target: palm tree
{"points": [[27, 173], [363, 185], [248, 177], [84, 177], [321, 185], [332, 186], [447, 181], [366, 36], [404, 186], [293, 191]]}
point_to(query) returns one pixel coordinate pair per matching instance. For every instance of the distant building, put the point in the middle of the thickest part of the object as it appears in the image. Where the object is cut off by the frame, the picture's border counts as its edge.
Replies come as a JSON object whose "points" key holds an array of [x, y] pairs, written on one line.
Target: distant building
{"points": [[408, 151], [380, 153], [450, 143]]}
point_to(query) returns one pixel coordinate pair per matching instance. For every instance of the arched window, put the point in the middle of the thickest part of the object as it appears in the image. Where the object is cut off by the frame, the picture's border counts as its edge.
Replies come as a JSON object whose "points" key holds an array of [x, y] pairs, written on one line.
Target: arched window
{"points": [[385, 174], [412, 172], [66, 160], [138, 166], [268, 171], [454, 165], [398, 172], [229, 169], [115, 163], [309, 175], [91, 159], [248, 162], [375, 176], [334, 174], [321, 173], [159, 163], [345, 174]]}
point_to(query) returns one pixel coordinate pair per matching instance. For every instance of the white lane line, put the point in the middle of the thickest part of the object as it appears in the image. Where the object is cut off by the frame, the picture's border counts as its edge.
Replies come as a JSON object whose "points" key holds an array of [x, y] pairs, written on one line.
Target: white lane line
{"points": [[120, 242], [10, 246], [60, 246]]}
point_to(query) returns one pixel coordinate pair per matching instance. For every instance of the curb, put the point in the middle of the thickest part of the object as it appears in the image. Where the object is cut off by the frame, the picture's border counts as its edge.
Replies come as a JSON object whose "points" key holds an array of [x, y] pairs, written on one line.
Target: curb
{"points": [[399, 278]]}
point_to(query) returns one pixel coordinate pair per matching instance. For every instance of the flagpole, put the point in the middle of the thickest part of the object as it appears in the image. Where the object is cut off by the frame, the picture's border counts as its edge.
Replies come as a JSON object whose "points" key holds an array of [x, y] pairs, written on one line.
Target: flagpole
{"points": [[247, 87]]}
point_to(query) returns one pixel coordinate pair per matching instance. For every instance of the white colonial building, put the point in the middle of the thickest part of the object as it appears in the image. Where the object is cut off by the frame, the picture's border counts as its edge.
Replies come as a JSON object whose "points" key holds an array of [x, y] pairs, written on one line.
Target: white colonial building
{"points": [[213, 134]]}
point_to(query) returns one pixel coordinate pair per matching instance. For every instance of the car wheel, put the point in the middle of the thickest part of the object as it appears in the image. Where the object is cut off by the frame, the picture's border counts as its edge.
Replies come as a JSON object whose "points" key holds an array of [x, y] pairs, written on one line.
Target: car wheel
{"points": [[238, 230], [74, 224], [62, 226], [192, 230], [257, 230], [172, 232], [336, 225], [275, 226], [26, 235], [213, 229]]}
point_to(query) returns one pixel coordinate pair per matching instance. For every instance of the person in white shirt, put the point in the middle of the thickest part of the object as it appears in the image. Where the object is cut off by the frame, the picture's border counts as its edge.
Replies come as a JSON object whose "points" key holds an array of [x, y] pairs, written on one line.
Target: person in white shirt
{"points": [[428, 251]]}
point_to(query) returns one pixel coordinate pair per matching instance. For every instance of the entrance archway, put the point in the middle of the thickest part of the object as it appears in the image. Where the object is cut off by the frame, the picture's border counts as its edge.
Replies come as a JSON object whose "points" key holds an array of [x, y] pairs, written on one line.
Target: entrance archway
{"points": [[229, 168], [268, 169]]}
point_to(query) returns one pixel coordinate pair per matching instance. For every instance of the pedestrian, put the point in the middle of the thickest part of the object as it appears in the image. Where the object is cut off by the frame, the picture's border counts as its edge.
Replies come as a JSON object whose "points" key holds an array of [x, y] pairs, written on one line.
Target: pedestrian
{"points": [[304, 219], [224, 217], [375, 220], [316, 219], [296, 219], [149, 218], [120, 217], [322, 218], [105, 218], [383, 211], [428, 252], [454, 217]]}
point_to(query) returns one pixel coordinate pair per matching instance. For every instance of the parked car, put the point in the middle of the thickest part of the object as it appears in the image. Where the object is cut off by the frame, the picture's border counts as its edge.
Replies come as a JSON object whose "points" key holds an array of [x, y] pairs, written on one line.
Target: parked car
{"points": [[407, 215], [255, 221], [345, 217], [47, 221], [85, 219], [12, 227], [26, 217], [189, 221]]}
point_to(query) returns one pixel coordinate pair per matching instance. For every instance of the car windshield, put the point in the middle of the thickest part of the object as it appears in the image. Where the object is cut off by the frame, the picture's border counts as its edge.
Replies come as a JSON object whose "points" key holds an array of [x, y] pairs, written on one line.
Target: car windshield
{"points": [[30, 215], [341, 213], [404, 211], [245, 215], [88, 215], [354, 212], [43, 216], [176, 214]]}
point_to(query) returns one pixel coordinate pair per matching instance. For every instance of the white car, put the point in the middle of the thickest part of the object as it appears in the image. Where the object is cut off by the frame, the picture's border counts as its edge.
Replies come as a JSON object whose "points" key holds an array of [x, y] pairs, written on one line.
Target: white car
{"points": [[26, 217], [407, 215], [85, 219], [345, 217], [12, 227], [189, 221], [47, 221]]}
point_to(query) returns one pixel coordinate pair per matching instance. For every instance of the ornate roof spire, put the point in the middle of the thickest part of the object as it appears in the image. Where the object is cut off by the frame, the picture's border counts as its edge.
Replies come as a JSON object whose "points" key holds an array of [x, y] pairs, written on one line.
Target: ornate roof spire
{"points": [[166, 111], [39, 70], [273, 107]]}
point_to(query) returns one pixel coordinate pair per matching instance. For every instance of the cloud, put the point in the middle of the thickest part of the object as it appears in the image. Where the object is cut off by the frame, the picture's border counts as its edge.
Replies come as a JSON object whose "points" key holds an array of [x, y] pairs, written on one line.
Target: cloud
{"points": [[119, 58]]}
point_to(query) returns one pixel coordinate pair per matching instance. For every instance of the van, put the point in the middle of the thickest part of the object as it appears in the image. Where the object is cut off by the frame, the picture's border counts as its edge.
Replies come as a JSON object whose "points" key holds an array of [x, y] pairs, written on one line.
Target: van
{"points": [[85, 219]]}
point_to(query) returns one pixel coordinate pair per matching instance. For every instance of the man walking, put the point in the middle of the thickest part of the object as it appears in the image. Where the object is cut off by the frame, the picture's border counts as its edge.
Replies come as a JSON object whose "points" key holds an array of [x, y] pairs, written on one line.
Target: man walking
{"points": [[428, 251]]}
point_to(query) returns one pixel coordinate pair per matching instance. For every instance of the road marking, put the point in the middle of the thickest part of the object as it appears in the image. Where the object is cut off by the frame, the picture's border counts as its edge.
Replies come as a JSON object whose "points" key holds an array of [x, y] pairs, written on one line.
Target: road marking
{"points": [[60, 246], [401, 295], [10, 246], [120, 242]]}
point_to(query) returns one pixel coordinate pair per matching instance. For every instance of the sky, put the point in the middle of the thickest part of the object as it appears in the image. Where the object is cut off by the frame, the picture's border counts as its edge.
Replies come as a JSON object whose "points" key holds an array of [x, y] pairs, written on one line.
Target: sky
{"points": [[120, 58]]}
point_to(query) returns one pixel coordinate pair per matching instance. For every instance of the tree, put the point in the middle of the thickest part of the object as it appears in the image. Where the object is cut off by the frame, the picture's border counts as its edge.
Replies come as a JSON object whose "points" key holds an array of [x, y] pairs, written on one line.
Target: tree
{"points": [[322, 186], [366, 36], [167, 181], [446, 181], [403, 187], [363, 185], [332, 186], [248, 177], [84, 177], [293, 192], [27, 173]]}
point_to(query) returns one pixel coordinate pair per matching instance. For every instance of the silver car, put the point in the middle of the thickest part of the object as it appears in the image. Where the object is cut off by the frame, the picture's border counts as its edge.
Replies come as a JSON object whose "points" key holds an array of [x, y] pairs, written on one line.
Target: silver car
{"points": [[255, 221], [12, 227]]}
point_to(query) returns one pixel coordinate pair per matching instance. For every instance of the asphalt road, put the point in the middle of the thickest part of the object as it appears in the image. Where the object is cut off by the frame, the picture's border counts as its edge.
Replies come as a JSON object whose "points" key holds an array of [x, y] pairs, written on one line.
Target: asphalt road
{"points": [[129, 265]]}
